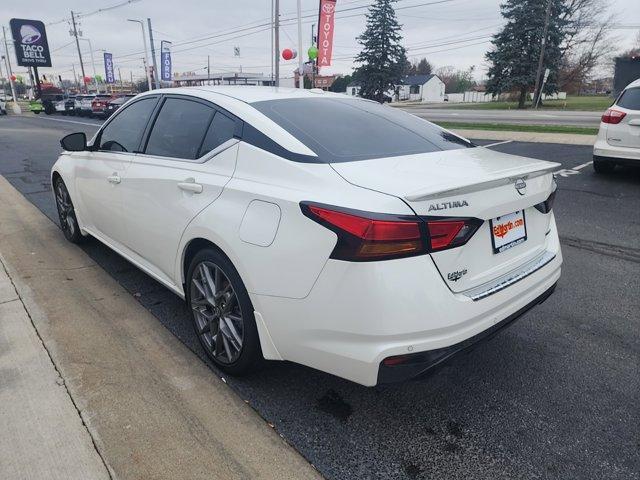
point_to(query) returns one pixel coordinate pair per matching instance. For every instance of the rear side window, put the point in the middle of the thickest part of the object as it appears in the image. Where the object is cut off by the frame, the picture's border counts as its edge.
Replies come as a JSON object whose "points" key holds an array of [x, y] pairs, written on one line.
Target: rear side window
{"points": [[630, 99], [179, 129], [124, 132], [343, 130], [222, 129]]}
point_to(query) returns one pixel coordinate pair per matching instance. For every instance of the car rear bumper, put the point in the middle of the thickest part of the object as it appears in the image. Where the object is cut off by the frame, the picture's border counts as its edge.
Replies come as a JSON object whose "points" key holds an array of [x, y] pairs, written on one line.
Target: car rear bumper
{"points": [[359, 314], [604, 151], [414, 365]]}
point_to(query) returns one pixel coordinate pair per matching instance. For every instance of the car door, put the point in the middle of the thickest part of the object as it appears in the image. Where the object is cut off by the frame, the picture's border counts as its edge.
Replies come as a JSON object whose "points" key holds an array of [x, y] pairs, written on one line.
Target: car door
{"points": [[626, 133], [189, 157], [99, 172]]}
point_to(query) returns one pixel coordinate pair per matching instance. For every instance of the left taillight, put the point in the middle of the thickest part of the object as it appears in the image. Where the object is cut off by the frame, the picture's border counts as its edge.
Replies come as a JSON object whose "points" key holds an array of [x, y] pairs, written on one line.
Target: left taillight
{"points": [[366, 236]]}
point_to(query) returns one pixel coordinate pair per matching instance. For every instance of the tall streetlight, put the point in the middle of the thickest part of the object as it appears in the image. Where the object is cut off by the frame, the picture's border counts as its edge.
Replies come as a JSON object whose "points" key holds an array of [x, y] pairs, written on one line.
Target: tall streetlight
{"points": [[93, 63], [146, 54]]}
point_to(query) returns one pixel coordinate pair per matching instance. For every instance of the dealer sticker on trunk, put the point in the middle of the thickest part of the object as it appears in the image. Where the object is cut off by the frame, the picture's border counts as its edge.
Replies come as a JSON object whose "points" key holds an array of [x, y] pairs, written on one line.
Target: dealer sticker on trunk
{"points": [[508, 231]]}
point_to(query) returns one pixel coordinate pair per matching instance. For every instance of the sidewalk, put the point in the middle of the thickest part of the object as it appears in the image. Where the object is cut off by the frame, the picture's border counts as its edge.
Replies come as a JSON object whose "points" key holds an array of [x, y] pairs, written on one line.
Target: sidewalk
{"points": [[108, 392], [535, 137]]}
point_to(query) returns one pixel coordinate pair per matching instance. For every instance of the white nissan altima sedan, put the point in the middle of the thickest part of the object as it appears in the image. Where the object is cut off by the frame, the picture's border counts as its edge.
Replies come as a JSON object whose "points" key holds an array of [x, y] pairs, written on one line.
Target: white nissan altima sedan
{"points": [[313, 227]]}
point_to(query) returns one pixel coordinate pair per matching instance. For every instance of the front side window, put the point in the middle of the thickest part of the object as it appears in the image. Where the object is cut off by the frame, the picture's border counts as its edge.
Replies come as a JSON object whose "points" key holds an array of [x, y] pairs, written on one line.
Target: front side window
{"points": [[179, 129], [222, 129], [344, 130], [124, 132], [630, 99]]}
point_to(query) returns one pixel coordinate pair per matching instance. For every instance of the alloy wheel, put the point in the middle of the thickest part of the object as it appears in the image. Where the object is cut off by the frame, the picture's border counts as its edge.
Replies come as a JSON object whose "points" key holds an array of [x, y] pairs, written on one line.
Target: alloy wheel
{"points": [[217, 312], [65, 209]]}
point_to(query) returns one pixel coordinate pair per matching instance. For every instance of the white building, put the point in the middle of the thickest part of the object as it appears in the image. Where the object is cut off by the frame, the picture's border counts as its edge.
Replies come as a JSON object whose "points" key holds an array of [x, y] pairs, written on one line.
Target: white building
{"points": [[421, 88], [417, 88]]}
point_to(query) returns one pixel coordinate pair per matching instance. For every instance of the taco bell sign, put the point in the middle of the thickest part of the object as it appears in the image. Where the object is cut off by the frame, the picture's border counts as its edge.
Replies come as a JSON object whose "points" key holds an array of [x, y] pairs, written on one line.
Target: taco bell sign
{"points": [[30, 41], [165, 61], [109, 76]]}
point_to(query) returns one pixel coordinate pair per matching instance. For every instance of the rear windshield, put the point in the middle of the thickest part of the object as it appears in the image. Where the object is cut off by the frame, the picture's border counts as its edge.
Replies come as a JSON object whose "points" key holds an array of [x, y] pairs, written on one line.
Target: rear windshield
{"points": [[630, 99], [344, 130]]}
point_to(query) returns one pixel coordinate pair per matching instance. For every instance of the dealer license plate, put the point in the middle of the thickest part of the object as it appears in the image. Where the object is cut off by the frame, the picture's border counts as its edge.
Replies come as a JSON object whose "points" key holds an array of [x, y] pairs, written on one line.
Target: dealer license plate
{"points": [[508, 231]]}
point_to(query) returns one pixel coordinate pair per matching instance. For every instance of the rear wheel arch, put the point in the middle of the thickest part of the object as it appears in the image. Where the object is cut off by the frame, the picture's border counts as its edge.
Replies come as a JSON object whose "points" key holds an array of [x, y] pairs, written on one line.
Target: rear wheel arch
{"points": [[191, 250]]}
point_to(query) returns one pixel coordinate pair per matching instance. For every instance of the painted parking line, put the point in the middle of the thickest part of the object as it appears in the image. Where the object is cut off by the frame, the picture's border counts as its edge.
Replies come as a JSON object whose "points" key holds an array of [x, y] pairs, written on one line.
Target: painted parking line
{"points": [[497, 143], [567, 172], [70, 121], [580, 167]]}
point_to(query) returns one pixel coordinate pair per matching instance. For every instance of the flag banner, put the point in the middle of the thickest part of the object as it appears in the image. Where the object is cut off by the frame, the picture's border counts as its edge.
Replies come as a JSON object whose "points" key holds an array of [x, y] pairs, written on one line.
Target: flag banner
{"points": [[165, 61], [109, 74], [325, 32]]}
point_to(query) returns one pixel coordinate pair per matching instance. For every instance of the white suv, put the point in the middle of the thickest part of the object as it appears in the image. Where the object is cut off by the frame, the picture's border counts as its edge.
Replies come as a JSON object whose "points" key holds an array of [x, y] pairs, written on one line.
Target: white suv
{"points": [[618, 141]]}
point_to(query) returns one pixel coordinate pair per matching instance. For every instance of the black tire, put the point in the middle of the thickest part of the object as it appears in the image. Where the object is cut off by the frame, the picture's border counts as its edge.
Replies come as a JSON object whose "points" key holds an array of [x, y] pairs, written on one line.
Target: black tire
{"points": [[603, 166], [249, 356], [66, 212]]}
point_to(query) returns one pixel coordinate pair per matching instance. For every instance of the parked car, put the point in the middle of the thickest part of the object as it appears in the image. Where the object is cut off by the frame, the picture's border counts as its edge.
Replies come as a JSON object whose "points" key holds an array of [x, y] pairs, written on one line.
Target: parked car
{"points": [[3, 107], [115, 104], [307, 226], [69, 105], [99, 104], [618, 141], [60, 107], [82, 105]]}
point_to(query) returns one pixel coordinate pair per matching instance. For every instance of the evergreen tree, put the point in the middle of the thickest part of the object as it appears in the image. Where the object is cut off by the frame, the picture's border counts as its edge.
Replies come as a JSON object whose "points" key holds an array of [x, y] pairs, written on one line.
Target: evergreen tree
{"points": [[514, 58], [382, 59], [423, 67]]}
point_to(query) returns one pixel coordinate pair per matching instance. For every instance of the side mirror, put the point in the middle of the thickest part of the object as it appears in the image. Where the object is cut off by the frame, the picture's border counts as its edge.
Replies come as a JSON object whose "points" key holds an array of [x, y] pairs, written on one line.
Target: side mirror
{"points": [[74, 142]]}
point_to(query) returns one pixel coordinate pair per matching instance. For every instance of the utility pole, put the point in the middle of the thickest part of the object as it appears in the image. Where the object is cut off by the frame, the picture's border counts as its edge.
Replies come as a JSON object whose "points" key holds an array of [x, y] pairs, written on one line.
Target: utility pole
{"points": [[16, 107], [75, 34], [276, 28], [208, 69], [75, 77], [300, 56], [156, 78], [271, 42], [537, 92]]}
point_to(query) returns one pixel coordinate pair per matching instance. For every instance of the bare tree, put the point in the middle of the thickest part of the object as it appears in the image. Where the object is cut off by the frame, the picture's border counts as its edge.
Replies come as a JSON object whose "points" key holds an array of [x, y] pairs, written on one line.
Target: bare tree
{"points": [[587, 42]]}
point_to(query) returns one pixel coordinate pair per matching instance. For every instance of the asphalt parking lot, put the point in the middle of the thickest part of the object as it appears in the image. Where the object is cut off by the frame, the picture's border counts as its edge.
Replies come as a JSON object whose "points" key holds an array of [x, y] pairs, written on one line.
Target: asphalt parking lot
{"points": [[554, 396]]}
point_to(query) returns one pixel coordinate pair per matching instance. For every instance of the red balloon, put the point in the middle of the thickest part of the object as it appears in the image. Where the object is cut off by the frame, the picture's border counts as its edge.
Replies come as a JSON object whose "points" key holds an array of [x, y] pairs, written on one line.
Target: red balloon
{"points": [[87, 80], [13, 78], [287, 54]]}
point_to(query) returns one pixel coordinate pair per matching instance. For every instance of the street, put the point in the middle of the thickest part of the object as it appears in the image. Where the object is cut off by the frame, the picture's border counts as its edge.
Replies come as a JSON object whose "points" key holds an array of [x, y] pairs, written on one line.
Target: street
{"points": [[554, 396], [523, 117]]}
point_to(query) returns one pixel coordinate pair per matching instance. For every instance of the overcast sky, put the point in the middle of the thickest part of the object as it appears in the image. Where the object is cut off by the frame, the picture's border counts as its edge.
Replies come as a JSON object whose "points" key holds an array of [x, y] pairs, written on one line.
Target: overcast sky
{"points": [[449, 32]]}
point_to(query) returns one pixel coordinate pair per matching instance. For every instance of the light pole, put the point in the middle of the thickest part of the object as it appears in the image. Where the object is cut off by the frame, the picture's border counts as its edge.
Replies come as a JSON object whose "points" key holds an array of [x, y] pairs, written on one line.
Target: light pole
{"points": [[7, 59], [146, 54], [93, 63]]}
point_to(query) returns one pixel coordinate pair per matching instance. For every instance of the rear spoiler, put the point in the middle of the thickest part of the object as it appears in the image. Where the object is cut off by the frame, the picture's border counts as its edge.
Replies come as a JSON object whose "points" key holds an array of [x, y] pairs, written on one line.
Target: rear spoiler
{"points": [[503, 178]]}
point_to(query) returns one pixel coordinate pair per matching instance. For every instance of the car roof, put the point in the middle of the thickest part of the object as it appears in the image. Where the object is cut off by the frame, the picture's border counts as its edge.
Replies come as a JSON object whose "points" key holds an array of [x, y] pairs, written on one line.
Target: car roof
{"points": [[635, 83], [249, 93]]}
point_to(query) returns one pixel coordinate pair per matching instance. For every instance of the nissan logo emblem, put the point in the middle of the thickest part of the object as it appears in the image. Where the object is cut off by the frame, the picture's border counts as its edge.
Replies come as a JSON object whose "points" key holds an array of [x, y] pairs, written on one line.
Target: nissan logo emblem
{"points": [[521, 186]]}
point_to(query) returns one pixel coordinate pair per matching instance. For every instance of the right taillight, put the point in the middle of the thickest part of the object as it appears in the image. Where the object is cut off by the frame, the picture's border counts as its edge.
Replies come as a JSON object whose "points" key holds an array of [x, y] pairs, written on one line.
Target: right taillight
{"points": [[366, 236], [547, 205], [613, 116]]}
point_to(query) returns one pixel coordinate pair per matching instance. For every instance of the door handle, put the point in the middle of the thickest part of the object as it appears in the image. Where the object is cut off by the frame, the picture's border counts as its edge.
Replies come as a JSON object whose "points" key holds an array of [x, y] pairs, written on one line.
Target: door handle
{"points": [[115, 178], [190, 185]]}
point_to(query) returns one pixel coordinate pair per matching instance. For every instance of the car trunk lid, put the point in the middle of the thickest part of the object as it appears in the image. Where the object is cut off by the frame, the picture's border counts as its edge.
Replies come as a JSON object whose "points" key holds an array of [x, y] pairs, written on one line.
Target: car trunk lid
{"points": [[476, 182]]}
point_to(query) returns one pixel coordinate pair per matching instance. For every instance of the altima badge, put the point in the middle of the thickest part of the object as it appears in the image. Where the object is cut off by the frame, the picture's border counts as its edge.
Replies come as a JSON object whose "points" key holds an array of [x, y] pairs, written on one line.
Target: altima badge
{"points": [[446, 205], [521, 186]]}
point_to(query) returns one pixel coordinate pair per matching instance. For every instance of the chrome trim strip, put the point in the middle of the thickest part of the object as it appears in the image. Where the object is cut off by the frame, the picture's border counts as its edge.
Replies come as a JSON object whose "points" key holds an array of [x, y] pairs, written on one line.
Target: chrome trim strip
{"points": [[483, 291]]}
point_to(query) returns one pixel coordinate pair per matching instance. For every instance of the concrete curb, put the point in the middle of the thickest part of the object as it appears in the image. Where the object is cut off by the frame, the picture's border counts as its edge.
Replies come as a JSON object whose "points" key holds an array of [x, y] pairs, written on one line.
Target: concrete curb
{"points": [[563, 138], [152, 408]]}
